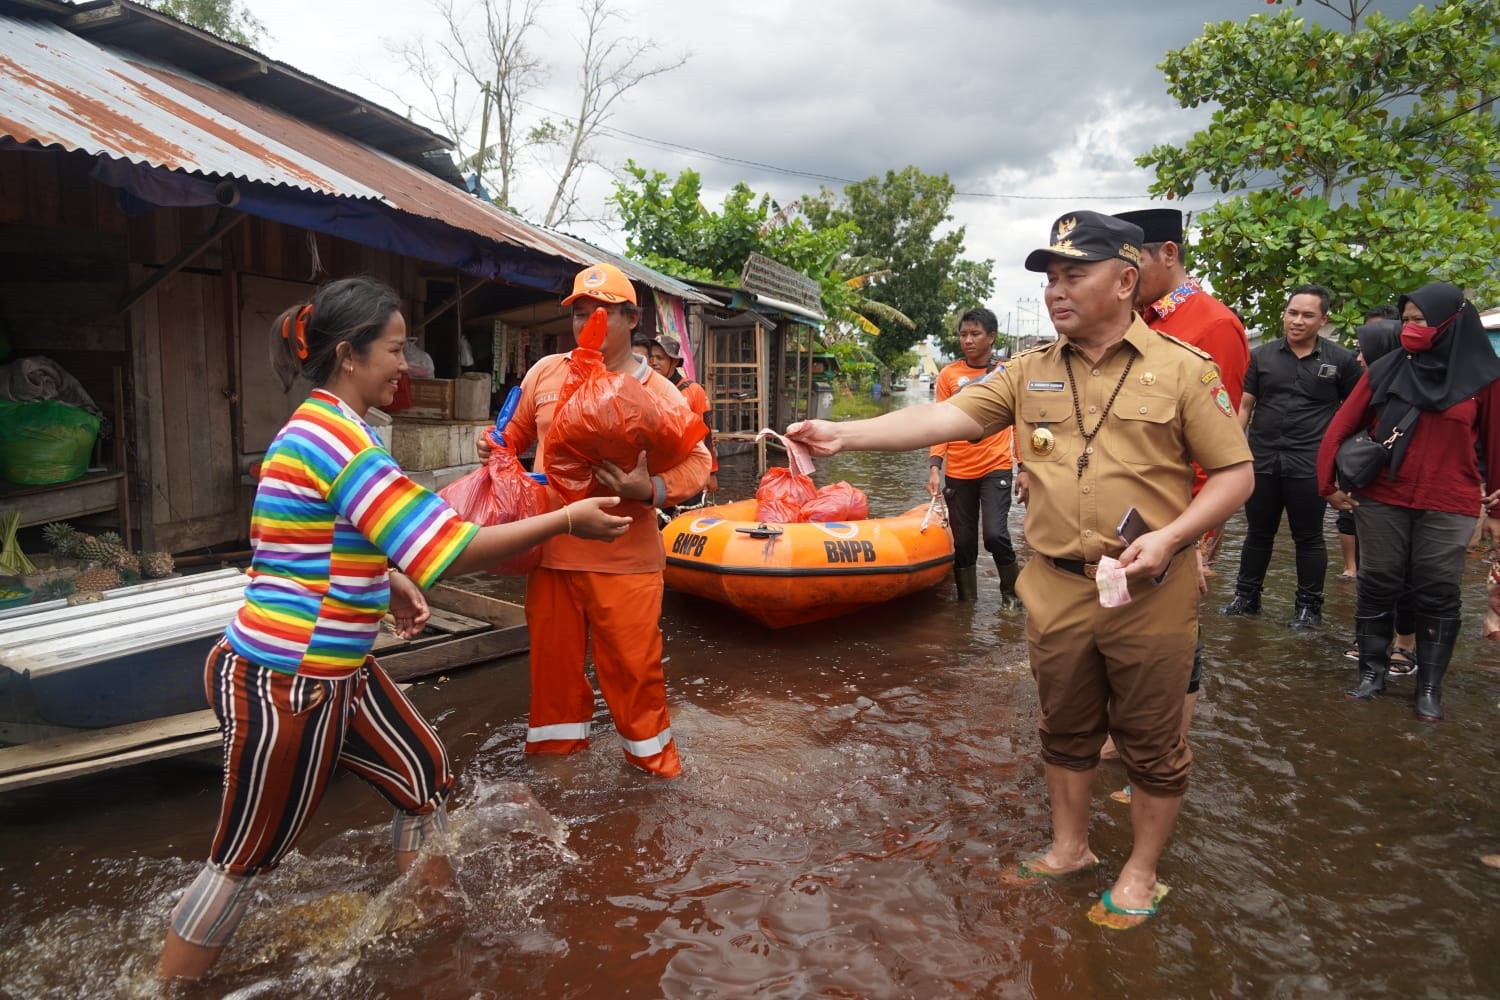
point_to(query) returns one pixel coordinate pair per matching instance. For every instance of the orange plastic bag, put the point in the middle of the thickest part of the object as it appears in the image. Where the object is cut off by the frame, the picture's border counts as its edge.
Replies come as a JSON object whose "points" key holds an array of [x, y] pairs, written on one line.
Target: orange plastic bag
{"points": [[781, 495], [603, 415], [499, 492], [782, 492], [836, 502]]}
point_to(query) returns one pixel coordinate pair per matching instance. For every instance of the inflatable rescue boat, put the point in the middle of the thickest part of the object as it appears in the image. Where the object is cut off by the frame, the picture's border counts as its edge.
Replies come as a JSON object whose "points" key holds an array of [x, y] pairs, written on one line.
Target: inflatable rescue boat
{"points": [[791, 574]]}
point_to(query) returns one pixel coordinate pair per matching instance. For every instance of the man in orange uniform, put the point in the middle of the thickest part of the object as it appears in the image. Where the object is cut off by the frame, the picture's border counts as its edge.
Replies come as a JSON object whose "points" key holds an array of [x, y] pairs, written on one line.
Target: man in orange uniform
{"points": [[1174, 303], [587, 590], [975, 475], [664, 354]]}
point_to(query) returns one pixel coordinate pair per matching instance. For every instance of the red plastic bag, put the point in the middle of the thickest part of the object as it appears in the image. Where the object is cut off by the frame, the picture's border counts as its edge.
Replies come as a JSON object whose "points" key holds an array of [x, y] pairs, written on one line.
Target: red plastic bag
{"points": [[500, 492], [781, 495], [836, 502], [610, 416]]}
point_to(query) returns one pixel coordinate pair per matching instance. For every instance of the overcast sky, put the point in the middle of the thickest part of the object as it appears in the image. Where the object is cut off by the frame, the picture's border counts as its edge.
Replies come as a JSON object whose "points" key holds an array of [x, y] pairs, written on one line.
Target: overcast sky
{"points": [[1032, 107]]}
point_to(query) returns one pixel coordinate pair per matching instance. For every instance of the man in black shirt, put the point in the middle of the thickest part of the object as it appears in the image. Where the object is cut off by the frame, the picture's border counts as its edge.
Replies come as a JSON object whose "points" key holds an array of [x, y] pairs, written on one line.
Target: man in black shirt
{"points": [[1292, 390]]}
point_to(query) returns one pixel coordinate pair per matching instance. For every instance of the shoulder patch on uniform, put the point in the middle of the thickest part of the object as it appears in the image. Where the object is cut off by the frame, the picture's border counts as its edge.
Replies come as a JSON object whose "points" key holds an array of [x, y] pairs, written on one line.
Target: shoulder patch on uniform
{"points": [[1221, 400], [1184, 344], [1209, 376], [1031, 350]]}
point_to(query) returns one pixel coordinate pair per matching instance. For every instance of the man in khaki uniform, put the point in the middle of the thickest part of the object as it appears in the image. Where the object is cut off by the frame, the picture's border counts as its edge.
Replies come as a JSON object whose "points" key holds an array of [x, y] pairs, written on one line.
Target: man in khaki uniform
{"points": [[1108, 417]]}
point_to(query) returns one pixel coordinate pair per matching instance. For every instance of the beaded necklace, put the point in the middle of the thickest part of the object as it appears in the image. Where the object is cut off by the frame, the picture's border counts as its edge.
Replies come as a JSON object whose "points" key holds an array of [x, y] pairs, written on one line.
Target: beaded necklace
{"points": [[1088, 436]]}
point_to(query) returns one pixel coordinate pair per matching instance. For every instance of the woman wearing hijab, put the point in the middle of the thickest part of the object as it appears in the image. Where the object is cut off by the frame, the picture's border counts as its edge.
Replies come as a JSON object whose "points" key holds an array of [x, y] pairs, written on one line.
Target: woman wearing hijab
{"points": [[1418, 515], [1375, 340]]}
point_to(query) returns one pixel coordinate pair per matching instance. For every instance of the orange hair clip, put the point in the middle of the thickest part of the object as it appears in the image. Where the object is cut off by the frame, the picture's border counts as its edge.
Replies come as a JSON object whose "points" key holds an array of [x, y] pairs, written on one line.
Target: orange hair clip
{"points": [[301, 328]]}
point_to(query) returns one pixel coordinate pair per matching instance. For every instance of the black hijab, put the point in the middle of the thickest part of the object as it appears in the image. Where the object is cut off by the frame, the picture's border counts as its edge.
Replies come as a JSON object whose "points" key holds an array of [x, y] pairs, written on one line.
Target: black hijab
{"points": [[1459, 364], [1378, 338]]}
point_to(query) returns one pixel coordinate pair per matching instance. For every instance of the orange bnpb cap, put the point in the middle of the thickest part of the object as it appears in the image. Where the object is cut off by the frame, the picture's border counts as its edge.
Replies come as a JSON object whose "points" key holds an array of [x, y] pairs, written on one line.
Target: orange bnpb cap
{"points": [[604, 282]]}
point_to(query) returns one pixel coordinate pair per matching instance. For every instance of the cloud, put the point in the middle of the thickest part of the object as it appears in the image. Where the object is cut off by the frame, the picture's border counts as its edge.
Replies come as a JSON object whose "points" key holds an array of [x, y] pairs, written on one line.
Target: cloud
{"points": [[1044, 102]]}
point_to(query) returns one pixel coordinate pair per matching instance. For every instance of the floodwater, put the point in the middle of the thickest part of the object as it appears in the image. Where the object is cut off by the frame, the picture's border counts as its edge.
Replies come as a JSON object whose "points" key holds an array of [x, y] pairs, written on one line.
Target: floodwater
{"points": [[853, 793]]}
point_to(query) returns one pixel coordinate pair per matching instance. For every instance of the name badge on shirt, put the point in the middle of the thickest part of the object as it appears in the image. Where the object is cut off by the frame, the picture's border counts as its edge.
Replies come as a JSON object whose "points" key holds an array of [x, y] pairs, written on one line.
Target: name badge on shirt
{"points": [[1046, 386], [1328, 371]]}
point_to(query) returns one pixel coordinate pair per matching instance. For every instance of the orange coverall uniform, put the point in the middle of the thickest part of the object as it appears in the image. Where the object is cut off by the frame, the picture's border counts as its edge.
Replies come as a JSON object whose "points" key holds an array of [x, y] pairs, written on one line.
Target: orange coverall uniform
{"points": [[697, 401], [608, 592]]}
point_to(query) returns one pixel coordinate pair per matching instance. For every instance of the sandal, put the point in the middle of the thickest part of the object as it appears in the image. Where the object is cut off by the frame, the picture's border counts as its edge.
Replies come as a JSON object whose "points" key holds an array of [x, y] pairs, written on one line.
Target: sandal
{"points": [[1403, 662], [1108, 913], [1352, 653]]}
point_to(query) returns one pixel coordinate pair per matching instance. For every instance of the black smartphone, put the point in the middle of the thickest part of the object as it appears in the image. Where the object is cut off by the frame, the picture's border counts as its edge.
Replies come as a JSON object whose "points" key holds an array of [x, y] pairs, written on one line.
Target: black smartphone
{"points": [[1131, 526]]}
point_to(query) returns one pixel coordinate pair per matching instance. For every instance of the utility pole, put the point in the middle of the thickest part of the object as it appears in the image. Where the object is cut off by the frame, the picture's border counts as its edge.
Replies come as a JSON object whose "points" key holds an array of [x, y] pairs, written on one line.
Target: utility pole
{"points": [[1029, 318]]}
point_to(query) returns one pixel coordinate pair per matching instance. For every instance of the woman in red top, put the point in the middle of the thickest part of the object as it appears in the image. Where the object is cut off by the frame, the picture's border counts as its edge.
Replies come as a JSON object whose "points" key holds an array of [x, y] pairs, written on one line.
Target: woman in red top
{"points": [[1419, 514]]}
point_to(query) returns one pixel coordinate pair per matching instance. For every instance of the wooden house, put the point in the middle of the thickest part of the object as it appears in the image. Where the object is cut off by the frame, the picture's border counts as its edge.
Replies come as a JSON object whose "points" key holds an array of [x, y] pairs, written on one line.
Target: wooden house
{"points": [[164, 194]]}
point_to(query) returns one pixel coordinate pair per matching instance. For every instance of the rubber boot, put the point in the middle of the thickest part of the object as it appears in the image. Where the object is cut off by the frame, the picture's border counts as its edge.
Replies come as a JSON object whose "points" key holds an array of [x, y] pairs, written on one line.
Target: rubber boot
{"points": [[1373, 637], [1251, 579], [968, 583], [1008, 599], [1435, 639]]}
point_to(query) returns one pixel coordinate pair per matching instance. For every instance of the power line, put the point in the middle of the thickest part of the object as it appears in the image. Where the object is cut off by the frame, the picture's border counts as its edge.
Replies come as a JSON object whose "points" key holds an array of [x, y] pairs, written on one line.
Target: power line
{"points": [[812, 175], [1457, 114]]}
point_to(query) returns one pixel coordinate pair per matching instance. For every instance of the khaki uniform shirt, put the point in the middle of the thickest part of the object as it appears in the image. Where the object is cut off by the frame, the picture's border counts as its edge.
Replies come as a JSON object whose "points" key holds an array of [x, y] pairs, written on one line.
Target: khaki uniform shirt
{"points": [[1171, 410]]}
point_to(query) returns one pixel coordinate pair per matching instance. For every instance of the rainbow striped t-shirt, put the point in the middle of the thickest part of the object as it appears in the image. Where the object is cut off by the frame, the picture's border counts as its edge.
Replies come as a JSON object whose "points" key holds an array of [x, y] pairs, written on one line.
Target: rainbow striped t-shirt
{"points": [[332, 506]]}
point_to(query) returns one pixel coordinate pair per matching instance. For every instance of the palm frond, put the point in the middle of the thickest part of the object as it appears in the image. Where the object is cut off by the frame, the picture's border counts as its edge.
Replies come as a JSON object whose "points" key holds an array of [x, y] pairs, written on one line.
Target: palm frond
{"points": [[883, 312]]}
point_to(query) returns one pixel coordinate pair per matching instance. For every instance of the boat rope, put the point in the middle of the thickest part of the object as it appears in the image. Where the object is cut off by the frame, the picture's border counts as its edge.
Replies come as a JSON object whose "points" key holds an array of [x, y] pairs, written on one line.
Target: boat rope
{"points": [[936, 506]]}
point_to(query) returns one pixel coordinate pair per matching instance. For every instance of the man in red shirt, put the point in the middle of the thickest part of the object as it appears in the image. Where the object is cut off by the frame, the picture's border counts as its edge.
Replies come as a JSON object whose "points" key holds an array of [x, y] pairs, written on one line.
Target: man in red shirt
{"points": [[1174, 303]]}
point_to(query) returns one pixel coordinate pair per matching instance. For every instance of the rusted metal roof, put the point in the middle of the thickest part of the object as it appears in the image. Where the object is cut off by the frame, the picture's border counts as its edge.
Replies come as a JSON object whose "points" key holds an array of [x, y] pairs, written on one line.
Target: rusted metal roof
{"points": [[122, 26], [57, 89]]}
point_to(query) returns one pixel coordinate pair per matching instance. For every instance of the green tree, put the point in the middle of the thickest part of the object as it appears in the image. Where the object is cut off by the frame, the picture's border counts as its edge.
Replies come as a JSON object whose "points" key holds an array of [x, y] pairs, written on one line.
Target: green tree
{"points": [[225, 18], [668, 227], [897, 220], [1359, 156]]}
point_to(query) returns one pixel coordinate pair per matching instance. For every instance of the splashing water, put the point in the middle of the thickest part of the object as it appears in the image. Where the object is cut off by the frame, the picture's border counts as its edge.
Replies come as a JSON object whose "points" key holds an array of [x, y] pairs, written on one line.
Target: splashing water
{"points": [[317, 920]]}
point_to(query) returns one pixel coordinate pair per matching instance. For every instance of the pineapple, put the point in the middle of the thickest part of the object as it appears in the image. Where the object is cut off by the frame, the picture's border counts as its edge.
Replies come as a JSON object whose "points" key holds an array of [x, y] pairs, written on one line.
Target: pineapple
{"points": [[91, 549], [96, 580], [128, 563], [61, 537], [85, 597], [54, 589], [155, 565], [112, 538]]}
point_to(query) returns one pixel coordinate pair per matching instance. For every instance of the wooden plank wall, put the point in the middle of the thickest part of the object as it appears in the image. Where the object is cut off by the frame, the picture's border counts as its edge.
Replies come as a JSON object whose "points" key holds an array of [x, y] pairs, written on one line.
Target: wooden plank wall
{"points": [[214, 422], [63, 268], [188, 477], [69, 254]]}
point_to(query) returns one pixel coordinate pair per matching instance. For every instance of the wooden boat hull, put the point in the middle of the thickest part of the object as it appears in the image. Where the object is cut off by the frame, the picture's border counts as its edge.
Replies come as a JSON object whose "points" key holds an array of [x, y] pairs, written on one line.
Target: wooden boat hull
{"points": [[791, 574], [138, 654]]}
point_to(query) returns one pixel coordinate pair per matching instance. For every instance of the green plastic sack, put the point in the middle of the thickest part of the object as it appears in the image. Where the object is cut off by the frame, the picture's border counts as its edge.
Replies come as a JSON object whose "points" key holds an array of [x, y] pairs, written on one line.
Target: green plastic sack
{"points": [[45, 441]]}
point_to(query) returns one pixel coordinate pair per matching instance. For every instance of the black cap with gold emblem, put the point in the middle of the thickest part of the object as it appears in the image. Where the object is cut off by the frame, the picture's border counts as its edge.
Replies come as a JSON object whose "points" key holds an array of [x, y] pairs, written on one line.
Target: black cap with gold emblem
{"points": [[1090, 236]]}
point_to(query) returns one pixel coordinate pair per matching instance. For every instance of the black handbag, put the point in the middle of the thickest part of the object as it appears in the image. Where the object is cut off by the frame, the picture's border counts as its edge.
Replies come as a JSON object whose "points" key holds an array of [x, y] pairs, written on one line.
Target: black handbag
{"points": [[1360, 458]]}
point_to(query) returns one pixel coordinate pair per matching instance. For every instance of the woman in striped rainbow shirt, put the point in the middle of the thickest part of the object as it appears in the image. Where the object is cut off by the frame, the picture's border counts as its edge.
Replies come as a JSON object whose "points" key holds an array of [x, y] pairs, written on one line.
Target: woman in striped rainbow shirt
{"points": [[339, 535]]}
